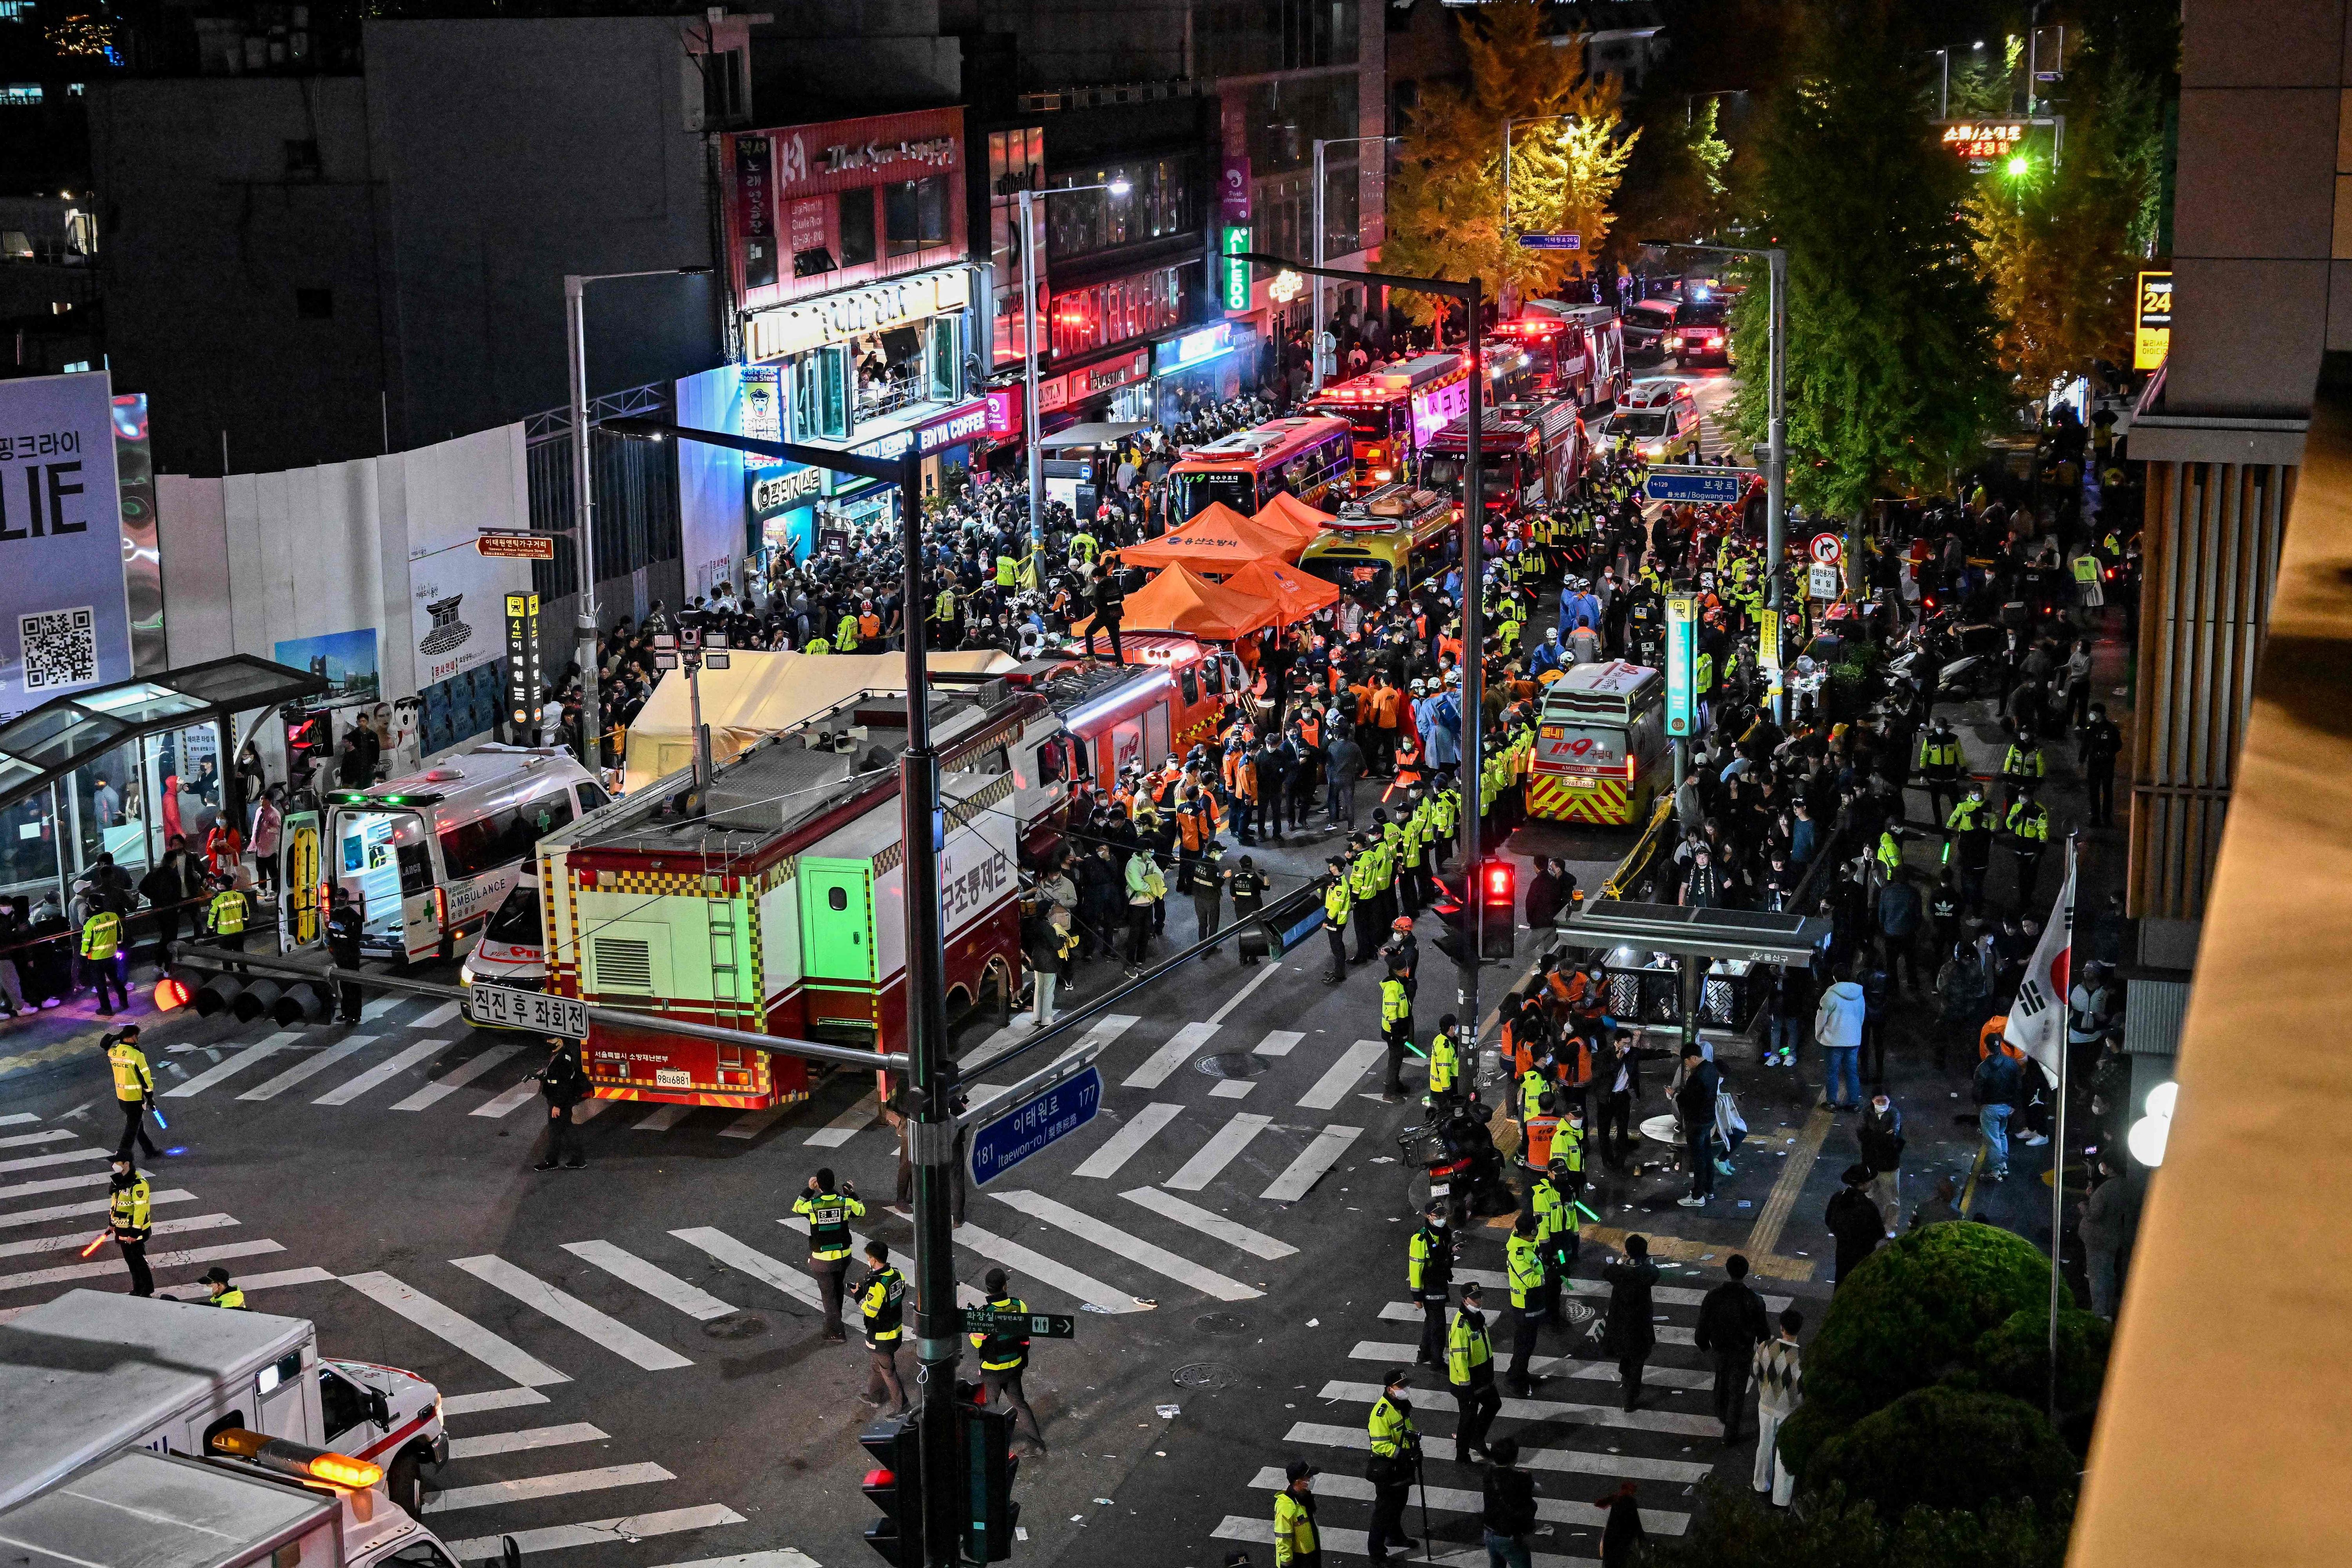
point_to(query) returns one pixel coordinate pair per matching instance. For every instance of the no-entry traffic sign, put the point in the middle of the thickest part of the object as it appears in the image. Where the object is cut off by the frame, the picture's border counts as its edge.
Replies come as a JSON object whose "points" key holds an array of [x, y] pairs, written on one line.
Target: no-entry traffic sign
{"points": [[1827, 548]]}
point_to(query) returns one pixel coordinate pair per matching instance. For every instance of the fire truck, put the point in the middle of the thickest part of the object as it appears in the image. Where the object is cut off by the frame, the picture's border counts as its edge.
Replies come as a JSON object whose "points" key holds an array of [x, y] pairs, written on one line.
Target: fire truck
{"points": [[1574, 351], [1533, 454], [772, 900], [1392, 412]]}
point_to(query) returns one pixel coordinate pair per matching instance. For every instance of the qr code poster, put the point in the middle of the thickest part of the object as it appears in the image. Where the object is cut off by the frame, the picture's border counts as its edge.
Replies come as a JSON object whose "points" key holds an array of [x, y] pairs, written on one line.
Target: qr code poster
{"points": [[60, 649]]}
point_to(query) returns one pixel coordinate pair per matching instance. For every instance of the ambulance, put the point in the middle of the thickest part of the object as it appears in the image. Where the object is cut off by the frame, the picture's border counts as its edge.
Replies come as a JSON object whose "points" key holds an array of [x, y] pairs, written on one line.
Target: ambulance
{"points": [[1601, 753]]}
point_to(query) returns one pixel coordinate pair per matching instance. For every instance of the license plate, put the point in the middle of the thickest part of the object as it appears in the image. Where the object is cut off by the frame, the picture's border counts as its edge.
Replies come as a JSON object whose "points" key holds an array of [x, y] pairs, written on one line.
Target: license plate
{"points": [[1440, 1188], [673, 1078], [1575, 783]]}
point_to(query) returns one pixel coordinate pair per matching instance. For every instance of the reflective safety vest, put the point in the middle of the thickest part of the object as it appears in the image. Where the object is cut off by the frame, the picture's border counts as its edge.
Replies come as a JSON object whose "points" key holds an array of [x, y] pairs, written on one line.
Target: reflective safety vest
{"points": [[102, 934], [1533, 1086], [1935, 754], [1555, 1212], [1395, 1006], [1338, 901], [944, 609], [1083, 548], [844, 637], [231, 1299], [1005, 569], [1467, 1348], [126, 1210], [226, 916], [818, 645], [1890, 854], [1444, 1065], [828, 1214], [1391, 1429], [2021, 762], [1295, 1539], [1963, 815], [1524, 1259], [882, 1300], [2027, 820], [1428, 1261], [133, 1081], [1004, 1349], [1568, 1144], [1362, 875], [1702, 677]]}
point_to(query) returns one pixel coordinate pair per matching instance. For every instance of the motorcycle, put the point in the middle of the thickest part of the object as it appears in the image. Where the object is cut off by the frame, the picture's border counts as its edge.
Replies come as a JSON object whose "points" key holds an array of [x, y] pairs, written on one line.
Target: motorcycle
{"points": [[1457, 1164]]}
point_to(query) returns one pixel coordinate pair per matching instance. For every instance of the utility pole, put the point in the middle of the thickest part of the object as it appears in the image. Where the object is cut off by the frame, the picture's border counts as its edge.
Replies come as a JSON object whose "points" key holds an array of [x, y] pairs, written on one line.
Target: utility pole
{"points": [[1473, 690], [584, 639]]}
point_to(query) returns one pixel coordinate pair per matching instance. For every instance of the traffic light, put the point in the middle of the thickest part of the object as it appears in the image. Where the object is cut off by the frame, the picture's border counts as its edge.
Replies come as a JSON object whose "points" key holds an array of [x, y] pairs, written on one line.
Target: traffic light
{"points": [[896, 1486], [1497, 895], [989, 1469], [304, 1001]]}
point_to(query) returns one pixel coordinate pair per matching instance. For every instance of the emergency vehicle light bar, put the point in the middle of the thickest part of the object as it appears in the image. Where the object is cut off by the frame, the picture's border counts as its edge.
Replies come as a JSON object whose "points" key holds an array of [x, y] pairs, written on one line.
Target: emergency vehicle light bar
{"points": [[289, 1457]]}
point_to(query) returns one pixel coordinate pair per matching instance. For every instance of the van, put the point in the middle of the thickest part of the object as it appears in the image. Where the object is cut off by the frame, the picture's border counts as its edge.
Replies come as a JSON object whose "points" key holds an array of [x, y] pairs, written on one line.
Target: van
{"points": [[1601, 752], [430, 858], [92, 1372], [508, 952]]}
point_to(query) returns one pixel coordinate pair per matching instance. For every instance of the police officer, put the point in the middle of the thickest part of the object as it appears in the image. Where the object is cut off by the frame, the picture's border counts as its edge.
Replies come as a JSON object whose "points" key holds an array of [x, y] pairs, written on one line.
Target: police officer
{"points": [[1396, 1459], [1396, 1030], [1003, 1353], [1552, 1199], [126, 1216], [828, 1206], [101, 936], [881, 1298], [343, 923], [134, 1087], [2029, 836], [1429, 1279], [223, 1294], [1297, 1544], [1970, 826], [1939, 767], [1444, 1068], [2021, 767], [1523, 1262], [1470, 1373], [564, 1085], [1339, 903], [1362, 884], [1248, 886], [225, 917]]}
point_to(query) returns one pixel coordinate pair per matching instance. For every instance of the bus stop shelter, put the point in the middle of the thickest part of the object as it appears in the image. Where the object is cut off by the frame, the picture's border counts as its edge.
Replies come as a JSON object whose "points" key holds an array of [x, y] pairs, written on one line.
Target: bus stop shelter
{"points": [[1699, 940]]}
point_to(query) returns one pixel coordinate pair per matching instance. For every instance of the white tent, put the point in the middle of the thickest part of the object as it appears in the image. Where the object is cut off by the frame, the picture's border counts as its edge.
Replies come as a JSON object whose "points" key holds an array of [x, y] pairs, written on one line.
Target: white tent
{"points": [[760, 693]]}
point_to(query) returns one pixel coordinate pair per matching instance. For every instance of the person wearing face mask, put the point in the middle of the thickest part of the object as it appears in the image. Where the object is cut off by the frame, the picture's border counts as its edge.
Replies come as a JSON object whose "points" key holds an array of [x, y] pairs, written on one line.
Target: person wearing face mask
{"points": [[1395, 1461]]}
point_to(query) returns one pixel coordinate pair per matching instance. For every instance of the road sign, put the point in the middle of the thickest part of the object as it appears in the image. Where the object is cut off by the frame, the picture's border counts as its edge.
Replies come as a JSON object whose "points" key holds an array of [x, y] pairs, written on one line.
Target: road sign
{"points": [[1036, 1326], [1036, 1124], [1827, 548], [510, 545], [1551, 242], [1682, 663], [1823, 582], [506, 1007], [1695, 482]]}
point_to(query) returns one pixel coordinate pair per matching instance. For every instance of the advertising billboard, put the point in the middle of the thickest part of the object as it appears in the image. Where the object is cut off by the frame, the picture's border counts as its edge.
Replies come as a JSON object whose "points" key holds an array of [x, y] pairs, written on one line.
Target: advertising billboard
{"points": [[65, 620]]}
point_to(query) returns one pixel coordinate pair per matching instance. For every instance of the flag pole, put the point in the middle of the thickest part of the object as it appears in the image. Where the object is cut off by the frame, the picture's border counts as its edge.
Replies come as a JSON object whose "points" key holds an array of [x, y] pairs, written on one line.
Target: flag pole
{"points": [[2058, 1133]]}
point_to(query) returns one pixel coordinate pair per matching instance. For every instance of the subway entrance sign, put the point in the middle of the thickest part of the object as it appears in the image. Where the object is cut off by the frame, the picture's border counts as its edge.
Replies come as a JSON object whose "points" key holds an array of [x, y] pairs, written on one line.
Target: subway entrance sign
{"points": [[1682, 667], [1695, 482]]}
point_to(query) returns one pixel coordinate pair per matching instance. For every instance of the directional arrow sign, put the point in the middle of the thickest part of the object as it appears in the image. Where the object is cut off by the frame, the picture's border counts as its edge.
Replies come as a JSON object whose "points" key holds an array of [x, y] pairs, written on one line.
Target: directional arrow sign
{"points": [[1551, 242], [1034, 1124], [1690, 482], [1036, 1326]]}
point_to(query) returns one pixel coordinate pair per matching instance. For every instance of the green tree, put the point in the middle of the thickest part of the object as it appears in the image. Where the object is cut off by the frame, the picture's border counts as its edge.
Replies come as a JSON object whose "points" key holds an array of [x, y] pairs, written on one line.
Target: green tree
{"points": [[1892, 375], [1446, 203], [1675, 186], [1735, 1528], [1945, 1447]]}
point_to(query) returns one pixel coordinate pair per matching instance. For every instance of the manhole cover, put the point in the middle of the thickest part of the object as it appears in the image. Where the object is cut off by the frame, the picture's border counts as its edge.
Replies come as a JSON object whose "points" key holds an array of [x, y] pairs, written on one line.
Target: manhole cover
{"points": [[743, 1325], [1233, 1064], [1220, 1322], [1204, 1375]]}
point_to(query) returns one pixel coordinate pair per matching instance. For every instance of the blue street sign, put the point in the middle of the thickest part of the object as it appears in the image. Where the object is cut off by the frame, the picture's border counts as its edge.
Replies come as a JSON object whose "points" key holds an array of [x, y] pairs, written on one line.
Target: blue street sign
{"points": [[1679, 483], [1551, 242], [1036, 1124]]}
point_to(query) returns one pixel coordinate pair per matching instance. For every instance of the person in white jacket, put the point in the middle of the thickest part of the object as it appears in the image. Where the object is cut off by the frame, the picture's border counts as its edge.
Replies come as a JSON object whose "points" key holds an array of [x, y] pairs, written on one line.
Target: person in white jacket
{"points": [[1837, 1026], [1779, 1389]]}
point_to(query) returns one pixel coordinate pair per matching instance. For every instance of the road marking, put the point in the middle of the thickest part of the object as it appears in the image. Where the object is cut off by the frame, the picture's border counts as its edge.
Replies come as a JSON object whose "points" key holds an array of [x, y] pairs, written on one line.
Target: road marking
{"points": [[847, 1126], [243, 1058], [1280, 1042], [349, 1046], [383, 1072], [18, 1118], [1121, 1145], [1333, 1086], [283, 1277], [1218, 1152], [22, 1139], [506, 1102], [1626, 1467], [54, 1184], [500, 1355], [1180, 1049], [372, 1011], [658, 1283], [1045, 1271], [1670, 1421], [464, 1072], [35, 1162], [1578, 1514], [1357, 1544], [1303, 1173], [524, 1439], [1230, 1089], [26, 1061], [572, 1313], [1256, 1242], [562, 1483], [751, 1124], [589, 1110], [1238, 998], [1663, 1295], [436, 1018], [1541, 1366], [758, 1264], [159, 1262], [636, 1527], [94, 1205], [491, 1399], [663, 1118], [1764, 1241], [1134, 1249], [73, 1242]]}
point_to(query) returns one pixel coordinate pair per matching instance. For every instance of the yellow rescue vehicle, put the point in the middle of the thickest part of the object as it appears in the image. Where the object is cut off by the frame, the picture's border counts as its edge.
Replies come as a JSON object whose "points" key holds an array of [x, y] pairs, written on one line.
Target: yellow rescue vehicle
{"points": [[1601, 752]]}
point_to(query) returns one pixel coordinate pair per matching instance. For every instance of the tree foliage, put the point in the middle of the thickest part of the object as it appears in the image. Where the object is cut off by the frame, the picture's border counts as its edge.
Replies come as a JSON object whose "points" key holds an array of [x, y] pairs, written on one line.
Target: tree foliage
{"points": [[1946, 1447], [1892, 377], [1445, 216], [1676, 182], [1735, 1528]]}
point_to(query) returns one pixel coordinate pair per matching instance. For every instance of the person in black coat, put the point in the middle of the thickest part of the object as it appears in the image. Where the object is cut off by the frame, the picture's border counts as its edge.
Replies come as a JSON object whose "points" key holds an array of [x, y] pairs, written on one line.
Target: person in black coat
{"points": [[1731, 1323], [1617, 1083], [1695, 1104], [565, 1084], [1623, 1534], [1510, 1508], [1854, 1220], [1627, 1332]]}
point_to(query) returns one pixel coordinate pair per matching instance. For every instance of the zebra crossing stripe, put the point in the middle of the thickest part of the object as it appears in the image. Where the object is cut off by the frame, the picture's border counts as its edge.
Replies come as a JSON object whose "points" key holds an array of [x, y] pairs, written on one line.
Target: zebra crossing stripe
{"points": [[1169, 1207], [1218, 1152], [55, 1134], [1134, 1249], [562, 1483], [464, 1072], [371, 1010], [76, 1241], [160, 1263], [1121, 1145], [1578, 1515], [1670, 1421], [607, 1531], [663, 1119], [1356, 1544], [491, 1399], [1045, 1271], [436, 1018], [572, 1312], [351, 1045], [751, 1124], [236, 1063], [659, 1283], [500, 1355], [758, 1264], [1333, 1086], [1300, 1176], [284, 1277], [54, 1184], [525, 1441], [1279, 1042], [847, 1126], [508, 1101], [1179, 1049], [16, 1118], [1542, 1365], [35, 1162], [91, 1205], [383, 1072], [1577, 1462]]}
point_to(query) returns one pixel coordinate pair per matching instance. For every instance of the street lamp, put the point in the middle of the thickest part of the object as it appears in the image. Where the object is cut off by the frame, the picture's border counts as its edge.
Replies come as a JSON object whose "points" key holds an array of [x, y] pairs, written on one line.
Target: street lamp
{"points": [[1314, 310], [584, 640], [1776, 460], [1028, 198]]}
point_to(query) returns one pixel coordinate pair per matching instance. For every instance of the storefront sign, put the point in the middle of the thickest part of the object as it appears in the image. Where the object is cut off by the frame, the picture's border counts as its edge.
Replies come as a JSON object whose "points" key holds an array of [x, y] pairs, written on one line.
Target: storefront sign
{"points": [[2152, 335], [795, 328], [778, 490], [763, 402], [65, 620], [1053, 393], [1191, 349], [755, 201], [933, 435], [1234, 281], [1005, 412], [1233, 195], [1109, 374], [845, 154]]}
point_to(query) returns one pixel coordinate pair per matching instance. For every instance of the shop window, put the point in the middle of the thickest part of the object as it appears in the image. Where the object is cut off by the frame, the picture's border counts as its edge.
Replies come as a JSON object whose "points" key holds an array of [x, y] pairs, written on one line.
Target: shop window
{"points": [[857, 227], [822, 383], [943, 358], [915, 214]]}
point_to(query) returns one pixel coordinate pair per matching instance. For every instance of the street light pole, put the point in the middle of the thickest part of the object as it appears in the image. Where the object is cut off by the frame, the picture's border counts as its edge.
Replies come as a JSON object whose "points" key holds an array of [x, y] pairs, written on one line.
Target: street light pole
{"points": [[1314, 310], [1031, 425]]}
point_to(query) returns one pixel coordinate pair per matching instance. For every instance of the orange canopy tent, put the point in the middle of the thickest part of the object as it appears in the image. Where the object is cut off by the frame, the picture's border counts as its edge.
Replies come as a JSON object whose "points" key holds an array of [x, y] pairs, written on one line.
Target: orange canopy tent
{"points": [[1180, 600], [1296, 595], [1220, 540], [1287, 511]]}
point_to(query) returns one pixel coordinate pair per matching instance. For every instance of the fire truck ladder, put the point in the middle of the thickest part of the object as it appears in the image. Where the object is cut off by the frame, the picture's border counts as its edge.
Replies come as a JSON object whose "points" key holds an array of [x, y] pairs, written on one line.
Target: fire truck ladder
{"points": [[719, 911]]}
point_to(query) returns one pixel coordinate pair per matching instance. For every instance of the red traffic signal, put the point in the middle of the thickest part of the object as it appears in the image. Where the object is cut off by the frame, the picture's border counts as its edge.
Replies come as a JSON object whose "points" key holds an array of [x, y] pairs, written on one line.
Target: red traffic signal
{"points": [[1498, 880], [894, 1486]]}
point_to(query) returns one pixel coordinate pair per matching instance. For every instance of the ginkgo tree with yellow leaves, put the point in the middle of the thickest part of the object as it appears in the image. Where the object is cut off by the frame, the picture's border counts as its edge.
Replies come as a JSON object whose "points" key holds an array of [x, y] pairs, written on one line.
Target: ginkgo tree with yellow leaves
{"points": [[1569, 151]]}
